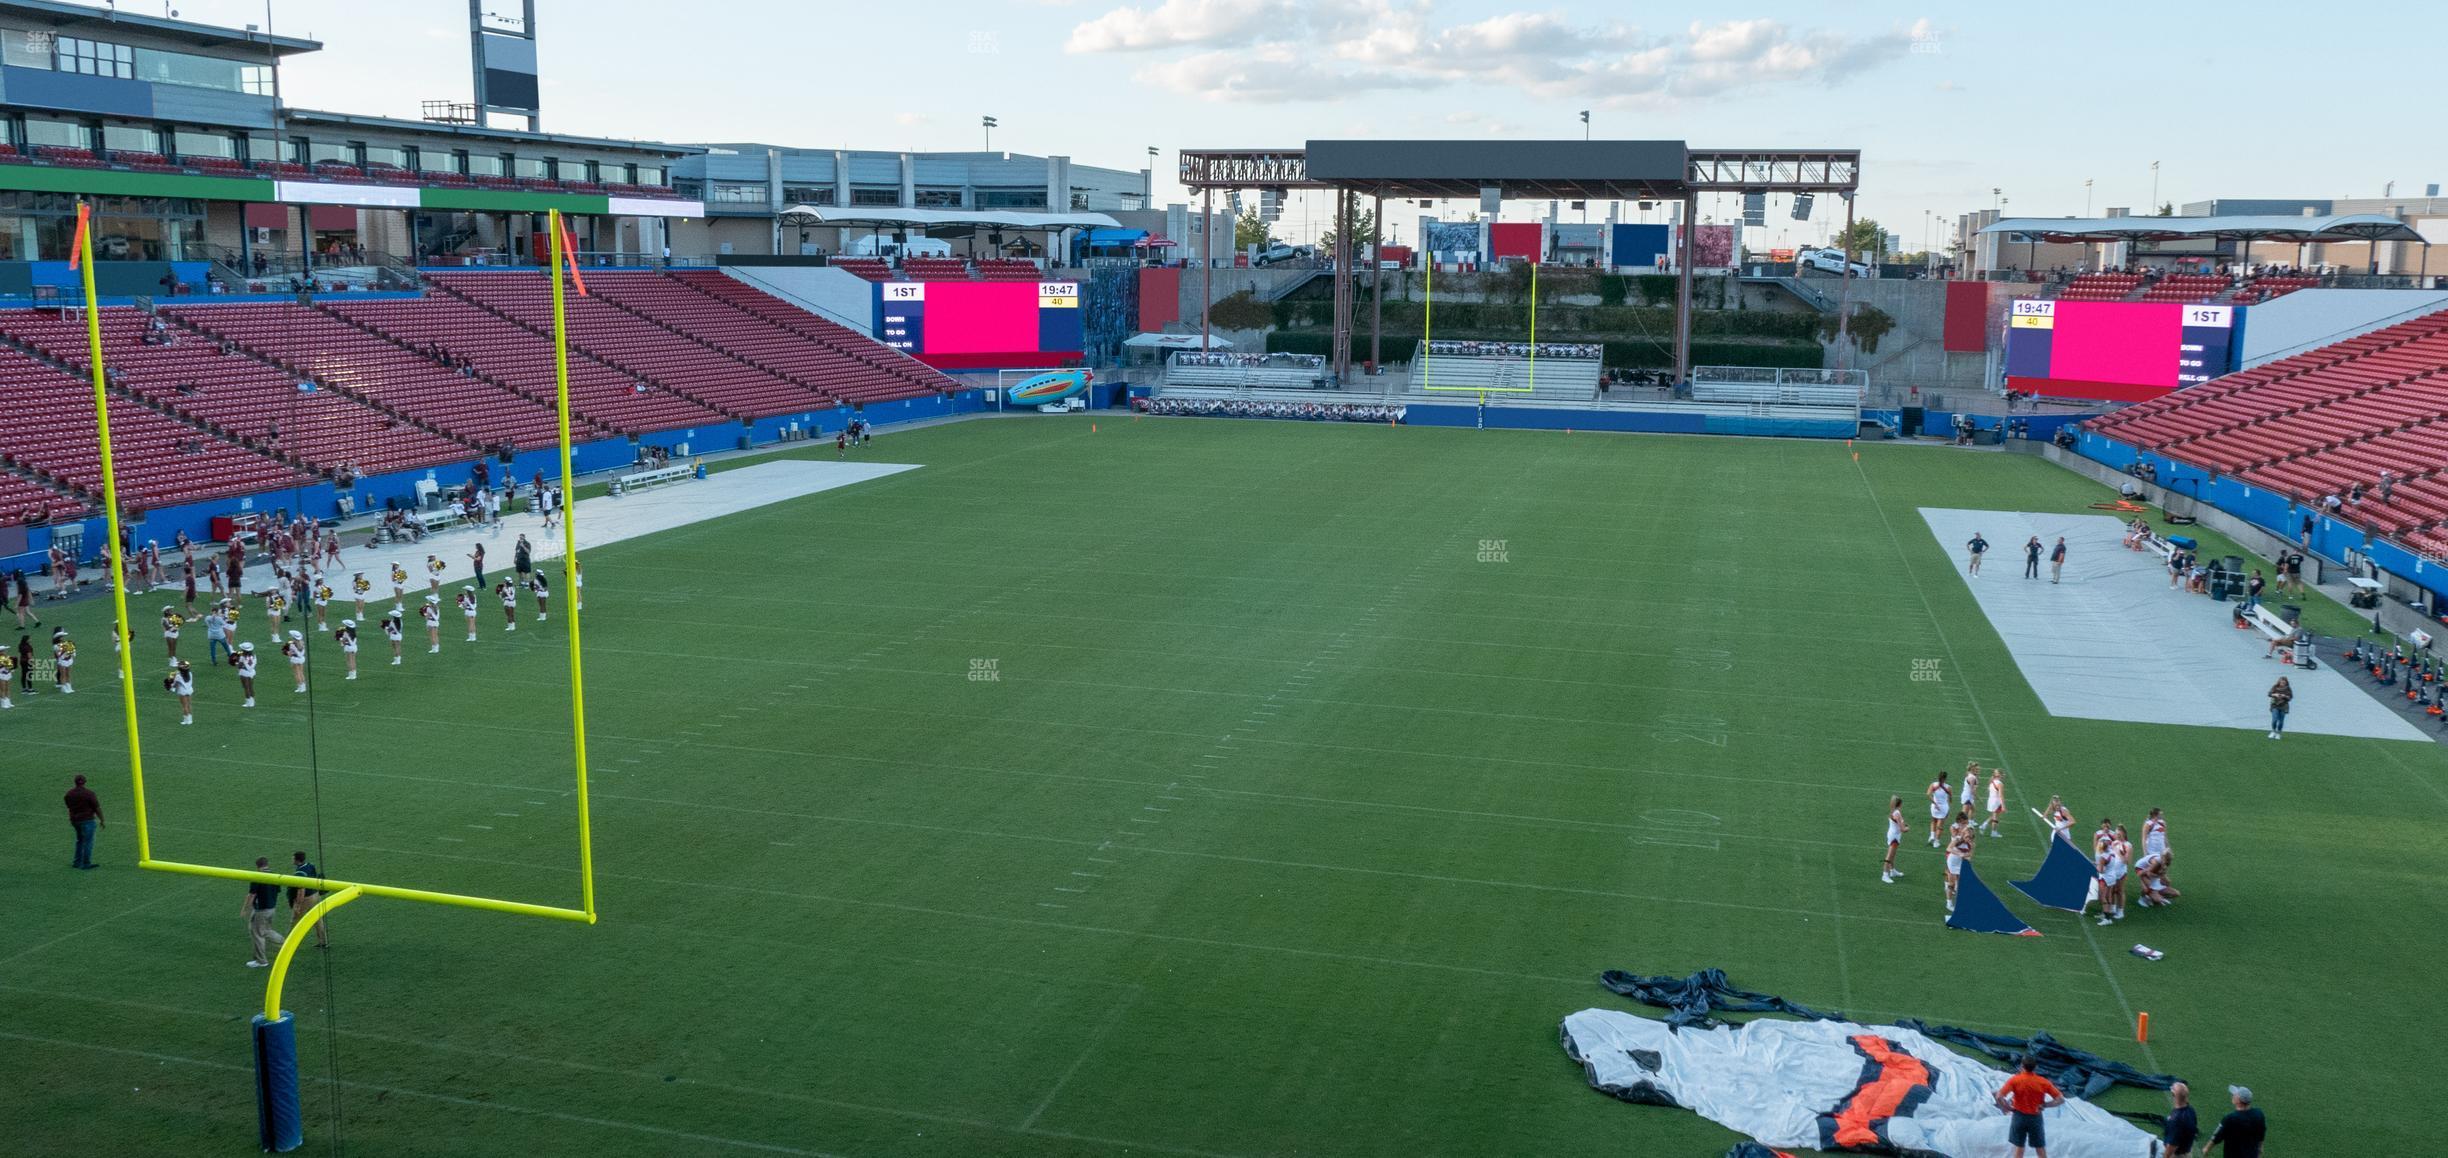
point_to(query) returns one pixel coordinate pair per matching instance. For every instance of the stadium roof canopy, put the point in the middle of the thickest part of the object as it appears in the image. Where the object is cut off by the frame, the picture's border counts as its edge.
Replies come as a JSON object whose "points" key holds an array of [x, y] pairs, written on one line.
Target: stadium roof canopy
{"points": [[1566, 169], [2306, 229], [885, 216]]}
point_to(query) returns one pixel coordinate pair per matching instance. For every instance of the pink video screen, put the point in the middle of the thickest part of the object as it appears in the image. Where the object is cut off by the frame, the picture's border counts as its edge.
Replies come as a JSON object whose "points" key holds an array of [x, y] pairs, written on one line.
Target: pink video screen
{"points": [[981, 317]]}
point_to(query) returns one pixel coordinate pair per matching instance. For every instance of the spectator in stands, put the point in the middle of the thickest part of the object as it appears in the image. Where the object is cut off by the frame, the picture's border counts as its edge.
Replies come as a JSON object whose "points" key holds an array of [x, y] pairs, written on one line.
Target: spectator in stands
{"points": [[2387, 481]]}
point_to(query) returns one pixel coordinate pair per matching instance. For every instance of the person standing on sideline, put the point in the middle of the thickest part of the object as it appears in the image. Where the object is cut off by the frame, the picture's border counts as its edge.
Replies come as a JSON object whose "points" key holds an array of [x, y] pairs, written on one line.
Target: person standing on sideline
{"points": [[477, 557], [2252, 591], [2057, 560], [2282, 696], [1895, 836], [2031, 558], [302, 898], [2242, 1130], [2183, 1125], [261, 900], [2024, 1097], [1997, 799], [84, 816], [522, 557], [216, 635], [1977, 547], [1939, 806]]}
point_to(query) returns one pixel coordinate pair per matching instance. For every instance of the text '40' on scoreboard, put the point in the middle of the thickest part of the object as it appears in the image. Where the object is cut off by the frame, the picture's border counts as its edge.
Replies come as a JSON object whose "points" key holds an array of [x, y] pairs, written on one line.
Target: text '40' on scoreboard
{"points": [[977, 323]]}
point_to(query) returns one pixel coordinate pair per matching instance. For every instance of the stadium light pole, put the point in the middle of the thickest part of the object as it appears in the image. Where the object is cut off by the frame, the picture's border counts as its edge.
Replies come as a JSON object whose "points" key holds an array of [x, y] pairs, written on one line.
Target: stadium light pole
{"points": [[1585, 126], [989, 123], [2154, 202], [2086, 197]]}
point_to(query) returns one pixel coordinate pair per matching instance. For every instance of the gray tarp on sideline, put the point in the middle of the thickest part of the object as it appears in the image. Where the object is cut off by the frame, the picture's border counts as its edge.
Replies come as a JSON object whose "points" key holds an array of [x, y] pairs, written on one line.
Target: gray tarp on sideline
{"points": [[2114, 642]]}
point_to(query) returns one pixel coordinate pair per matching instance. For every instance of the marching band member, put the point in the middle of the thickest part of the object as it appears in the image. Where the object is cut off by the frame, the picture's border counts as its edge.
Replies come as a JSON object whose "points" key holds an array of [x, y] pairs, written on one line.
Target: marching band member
{"points": [[294, 649], [244, 662], [181, 683]]}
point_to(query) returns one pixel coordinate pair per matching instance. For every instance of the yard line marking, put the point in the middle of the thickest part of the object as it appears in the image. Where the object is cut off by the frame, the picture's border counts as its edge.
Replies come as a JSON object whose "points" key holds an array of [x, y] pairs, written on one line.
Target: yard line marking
{"points": [[1103, 859], [1061, 889], [450, 839], [1096, 1039], [1844, 964], [1153, 808], [782, 844], [1078, 873], [505, 814]]}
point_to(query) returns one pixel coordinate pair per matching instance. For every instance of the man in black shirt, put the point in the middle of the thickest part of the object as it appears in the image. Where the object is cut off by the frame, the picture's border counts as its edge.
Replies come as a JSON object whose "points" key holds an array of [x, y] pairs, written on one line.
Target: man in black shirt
{"points": [[2183, 1125], [302, 898], [2241, 1131], [262, 901], [1977, 547]]}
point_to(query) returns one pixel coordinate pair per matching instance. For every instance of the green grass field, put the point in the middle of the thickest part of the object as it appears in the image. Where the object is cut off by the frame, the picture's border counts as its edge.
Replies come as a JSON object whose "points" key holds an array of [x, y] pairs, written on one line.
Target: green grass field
{"points": [[1322, 770]]}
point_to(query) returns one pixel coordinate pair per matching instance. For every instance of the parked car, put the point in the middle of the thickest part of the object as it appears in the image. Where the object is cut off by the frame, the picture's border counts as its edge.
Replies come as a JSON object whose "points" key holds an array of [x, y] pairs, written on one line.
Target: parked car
{"points": [[1279, 253], [1829, 261]]}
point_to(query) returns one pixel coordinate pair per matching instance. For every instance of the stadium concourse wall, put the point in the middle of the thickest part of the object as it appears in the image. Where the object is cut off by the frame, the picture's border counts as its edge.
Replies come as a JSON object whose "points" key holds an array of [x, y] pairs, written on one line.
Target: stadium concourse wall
{"points": [[1939, 422], [321, 497], [1418, 413], [2267, 512]]}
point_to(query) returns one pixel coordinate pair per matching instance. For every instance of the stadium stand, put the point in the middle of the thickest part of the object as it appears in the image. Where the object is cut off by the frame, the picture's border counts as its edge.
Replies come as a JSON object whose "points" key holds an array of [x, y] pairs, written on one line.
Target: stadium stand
{"points": [[935, 269], [870, 268], [28, 500], [509, 355], [385, 373], [161, 460], [236, 395], [2185, 287], [860, 368], [1569, 379], [1246, 371], [1008, 269], [2321, 422], [622, 338], [2267, 286], [2099, 287]]}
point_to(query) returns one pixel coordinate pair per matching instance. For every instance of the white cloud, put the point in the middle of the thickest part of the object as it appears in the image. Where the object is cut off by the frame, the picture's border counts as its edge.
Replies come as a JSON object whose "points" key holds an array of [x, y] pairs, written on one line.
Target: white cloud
{"points": [[1180, 24], [1272, 51]]}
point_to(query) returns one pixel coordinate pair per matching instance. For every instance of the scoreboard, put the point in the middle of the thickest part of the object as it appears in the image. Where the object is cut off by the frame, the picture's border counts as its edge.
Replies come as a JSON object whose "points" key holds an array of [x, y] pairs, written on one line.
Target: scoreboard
{"points": [[2119, 351], [981, 324]]}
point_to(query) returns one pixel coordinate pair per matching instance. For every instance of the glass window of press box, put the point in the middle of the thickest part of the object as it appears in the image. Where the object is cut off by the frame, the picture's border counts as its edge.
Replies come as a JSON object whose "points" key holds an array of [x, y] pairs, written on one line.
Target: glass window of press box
{"points": [[131, 138], [647, 175], [192, 144], [736, 193], [484, 165], [95, 58], [194, 71], [42, 227], [42, 132], [532, 168]]}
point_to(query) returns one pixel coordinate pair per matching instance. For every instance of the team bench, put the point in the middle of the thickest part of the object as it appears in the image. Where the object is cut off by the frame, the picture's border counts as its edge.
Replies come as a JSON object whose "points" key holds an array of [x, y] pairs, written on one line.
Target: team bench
{"points": [[649, 478]]}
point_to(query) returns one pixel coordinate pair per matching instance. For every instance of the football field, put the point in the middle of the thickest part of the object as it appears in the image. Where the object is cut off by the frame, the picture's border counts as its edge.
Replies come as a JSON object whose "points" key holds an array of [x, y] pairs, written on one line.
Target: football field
{"points": [[1190, 787]]}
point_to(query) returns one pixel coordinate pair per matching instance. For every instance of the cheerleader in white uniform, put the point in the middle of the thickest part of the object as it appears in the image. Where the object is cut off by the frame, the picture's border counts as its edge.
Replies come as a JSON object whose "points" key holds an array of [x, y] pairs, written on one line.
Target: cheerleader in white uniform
{"points": [[181, 683], [1895, 837], [359, 588], [433, 575], [543, 596], [346, 637], [1997, 799], [432, 611], [508, 591], [392, 630], [244, 662], [467, 608], [399, 583], [294, 650]]}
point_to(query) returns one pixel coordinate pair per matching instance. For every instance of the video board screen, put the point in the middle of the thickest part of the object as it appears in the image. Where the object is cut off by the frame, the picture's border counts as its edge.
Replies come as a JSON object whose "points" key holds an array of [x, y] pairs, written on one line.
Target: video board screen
{"points": [[981, 324], [2123, 351]]}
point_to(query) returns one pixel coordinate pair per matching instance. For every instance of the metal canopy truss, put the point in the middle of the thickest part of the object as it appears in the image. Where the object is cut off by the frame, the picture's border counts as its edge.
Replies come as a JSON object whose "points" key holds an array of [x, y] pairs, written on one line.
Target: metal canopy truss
{"points": [[1543, 170], [1247, 169], [1774, 170]]}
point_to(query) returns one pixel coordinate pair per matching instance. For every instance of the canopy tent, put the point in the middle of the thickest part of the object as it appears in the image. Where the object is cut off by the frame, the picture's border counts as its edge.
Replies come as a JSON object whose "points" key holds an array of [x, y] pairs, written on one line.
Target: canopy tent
{"points": [[2342, 227], [1157, 241], [1116, 238]]}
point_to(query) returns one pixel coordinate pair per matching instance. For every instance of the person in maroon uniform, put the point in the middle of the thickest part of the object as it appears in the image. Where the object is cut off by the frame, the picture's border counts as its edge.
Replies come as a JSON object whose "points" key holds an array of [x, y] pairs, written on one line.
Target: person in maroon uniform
{"points": [[85, 816]]}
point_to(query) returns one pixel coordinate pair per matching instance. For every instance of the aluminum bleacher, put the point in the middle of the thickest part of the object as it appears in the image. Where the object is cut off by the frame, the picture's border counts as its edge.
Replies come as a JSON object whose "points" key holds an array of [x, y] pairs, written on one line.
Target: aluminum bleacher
{"points": [[1449, 367], [236, 395], [2321, 422]]}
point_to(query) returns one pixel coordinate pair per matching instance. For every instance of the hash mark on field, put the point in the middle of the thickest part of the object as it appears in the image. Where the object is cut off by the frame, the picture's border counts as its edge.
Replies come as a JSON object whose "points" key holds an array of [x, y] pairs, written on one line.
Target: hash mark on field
{"points": [[1078, 873], [451, 839], [505, 814], [1152, 808], [1051, 905], [484, 827], [1061, 889]]}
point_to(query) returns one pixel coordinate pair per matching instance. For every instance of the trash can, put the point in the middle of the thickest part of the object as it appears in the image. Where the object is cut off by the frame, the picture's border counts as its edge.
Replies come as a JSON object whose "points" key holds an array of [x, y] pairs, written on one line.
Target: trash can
{"points": [[2291, 613]]}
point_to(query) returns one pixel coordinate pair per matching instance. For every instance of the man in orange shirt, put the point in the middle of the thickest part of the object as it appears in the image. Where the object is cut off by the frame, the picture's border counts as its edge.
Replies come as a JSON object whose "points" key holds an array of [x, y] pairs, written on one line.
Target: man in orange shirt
{"points": [[2023, 1097]]}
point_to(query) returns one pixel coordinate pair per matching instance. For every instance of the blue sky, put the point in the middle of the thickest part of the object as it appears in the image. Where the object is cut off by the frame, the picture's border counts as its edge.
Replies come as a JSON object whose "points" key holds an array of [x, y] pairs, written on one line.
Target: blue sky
{"points": [[1946, 101]]}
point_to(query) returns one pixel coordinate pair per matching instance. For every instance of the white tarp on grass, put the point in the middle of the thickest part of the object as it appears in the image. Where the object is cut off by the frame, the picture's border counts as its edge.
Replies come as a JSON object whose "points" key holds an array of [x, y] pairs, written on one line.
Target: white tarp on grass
{"points": [[2115, 642], [1828, 1085]]}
